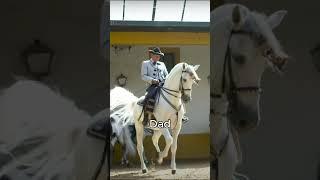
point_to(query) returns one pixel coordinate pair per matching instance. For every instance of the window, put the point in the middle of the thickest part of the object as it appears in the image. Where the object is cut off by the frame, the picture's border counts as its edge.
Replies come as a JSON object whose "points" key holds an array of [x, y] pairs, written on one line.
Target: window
{"points": [[160, 10], [169, 10]]}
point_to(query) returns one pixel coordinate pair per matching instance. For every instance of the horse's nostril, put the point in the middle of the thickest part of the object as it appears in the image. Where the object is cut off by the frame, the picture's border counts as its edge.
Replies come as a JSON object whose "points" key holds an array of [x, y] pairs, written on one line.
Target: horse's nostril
{"points": [[113, 135]]}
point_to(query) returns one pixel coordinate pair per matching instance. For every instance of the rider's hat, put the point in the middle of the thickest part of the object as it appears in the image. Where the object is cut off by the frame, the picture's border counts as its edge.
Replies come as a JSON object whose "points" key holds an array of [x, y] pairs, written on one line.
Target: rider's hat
{"points": [[156, 51]]}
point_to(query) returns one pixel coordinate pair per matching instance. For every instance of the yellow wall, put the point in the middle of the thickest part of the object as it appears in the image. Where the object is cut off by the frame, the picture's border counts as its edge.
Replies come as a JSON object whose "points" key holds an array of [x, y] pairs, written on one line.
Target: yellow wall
{"points": [[160, 38]]}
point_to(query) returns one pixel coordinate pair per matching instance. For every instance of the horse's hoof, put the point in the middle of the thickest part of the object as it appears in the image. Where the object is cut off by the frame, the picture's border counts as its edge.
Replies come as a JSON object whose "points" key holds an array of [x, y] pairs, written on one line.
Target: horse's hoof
{"points": [[144, 171], [159, 161], [173, 171]]}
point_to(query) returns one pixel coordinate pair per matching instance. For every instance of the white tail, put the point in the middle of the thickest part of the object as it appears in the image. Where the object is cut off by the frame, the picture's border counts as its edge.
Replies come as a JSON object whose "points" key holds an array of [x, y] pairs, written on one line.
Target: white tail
{"points": [[32, 113], [122, 103], [127, 141]]}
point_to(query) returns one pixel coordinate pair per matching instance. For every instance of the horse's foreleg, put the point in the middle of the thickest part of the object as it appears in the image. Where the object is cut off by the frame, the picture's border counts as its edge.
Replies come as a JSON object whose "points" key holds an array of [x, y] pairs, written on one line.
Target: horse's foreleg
{"points": [[169, 140], [175, 134], [228, 160], [139, 136], [155, 139]]}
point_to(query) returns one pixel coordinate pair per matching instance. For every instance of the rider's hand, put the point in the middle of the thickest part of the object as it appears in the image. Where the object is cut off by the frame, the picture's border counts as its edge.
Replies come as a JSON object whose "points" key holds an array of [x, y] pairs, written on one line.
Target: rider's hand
{"points": [[155, 81]]}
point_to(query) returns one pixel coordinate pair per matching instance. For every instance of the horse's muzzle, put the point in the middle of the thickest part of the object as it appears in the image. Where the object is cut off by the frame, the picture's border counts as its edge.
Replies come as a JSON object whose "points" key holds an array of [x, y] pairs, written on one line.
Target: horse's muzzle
{"points": [[185, 98], [244, 118]]}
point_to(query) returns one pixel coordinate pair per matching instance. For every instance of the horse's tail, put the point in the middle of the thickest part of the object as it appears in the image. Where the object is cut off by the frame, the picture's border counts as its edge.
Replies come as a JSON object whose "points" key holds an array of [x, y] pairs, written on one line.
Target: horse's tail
{"points": [[45, 125], [122, 104], [127, 141]]}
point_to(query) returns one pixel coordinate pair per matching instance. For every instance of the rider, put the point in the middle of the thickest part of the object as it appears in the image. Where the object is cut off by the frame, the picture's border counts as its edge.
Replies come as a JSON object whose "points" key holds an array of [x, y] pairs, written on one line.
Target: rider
{"points": [[154, 73]]}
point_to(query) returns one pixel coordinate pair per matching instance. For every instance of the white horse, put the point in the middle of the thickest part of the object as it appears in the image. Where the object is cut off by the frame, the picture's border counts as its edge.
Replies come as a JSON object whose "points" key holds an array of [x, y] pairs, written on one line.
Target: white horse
{"points": [[43, 136], [176, 89], [243, 46]]}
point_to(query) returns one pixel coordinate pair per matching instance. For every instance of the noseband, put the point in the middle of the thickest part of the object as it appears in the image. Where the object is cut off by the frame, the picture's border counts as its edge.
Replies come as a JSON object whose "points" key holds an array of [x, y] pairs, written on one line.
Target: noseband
{"points": [[181, 88]]}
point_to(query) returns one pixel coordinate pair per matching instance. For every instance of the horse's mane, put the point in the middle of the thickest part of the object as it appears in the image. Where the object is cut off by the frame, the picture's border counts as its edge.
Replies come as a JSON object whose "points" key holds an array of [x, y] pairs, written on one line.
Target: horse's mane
{"points": [[175, 71]]}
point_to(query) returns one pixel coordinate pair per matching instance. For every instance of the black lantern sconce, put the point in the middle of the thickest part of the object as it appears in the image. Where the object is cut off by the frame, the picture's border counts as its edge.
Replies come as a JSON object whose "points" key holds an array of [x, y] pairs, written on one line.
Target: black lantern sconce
{"points": [[38, 58], [122, 80]]}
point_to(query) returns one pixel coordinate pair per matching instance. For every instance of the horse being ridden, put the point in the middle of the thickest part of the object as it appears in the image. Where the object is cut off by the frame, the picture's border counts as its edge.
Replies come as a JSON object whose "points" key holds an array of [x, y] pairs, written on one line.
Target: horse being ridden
{"points": [[177, 88]]}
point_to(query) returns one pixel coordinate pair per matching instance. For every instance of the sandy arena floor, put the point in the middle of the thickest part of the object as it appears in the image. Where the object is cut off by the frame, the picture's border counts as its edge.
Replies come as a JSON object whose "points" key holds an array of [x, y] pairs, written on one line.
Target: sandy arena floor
{"points": [[185, 170]]}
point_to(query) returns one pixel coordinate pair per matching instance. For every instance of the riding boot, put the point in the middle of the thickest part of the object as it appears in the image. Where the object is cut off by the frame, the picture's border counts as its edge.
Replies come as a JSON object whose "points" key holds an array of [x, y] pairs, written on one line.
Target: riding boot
{"points": [[145, 119]]}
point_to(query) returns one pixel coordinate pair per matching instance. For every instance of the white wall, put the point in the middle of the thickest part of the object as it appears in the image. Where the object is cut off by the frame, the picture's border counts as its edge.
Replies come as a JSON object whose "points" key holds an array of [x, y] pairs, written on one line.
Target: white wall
{"points": [[72, 29], [129, 63], [286, 144]]}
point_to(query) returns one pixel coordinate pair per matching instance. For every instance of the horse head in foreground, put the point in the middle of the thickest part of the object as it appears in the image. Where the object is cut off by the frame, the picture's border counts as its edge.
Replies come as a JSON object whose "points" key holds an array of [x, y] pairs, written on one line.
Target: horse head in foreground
{"points": [[176, 89], [244, 46]]}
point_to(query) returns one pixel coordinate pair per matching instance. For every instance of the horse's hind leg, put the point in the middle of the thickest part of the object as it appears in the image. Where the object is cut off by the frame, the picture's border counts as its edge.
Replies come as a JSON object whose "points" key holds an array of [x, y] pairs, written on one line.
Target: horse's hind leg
{"points": [[139, 136], [124, 159], [169, 140], [155, 139]]}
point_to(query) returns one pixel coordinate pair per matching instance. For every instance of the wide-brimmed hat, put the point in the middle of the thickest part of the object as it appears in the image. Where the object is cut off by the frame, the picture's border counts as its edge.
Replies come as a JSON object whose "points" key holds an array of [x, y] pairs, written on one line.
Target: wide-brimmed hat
{"points": [[156, 51]]}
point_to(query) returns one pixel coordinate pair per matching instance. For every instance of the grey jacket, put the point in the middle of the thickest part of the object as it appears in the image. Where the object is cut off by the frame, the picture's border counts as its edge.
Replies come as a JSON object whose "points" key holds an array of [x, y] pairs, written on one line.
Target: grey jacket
{"points": [[149, 71]]}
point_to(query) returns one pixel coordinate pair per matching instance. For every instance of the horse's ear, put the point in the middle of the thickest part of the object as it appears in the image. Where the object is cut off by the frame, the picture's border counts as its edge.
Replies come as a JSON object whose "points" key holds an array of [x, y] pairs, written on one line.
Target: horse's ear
{"points": [[276, 18], [196, 67], [184, 66], [236, 17]]}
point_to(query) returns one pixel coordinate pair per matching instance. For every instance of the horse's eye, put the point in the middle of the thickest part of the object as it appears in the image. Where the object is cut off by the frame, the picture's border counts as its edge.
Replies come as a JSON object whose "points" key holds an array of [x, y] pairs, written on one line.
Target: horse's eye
{"points": [[260, 39], [184, 80], [240, 59]]}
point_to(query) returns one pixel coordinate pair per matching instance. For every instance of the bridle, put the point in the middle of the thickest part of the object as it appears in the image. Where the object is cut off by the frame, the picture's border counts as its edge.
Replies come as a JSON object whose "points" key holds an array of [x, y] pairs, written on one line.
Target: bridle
{"points": [[181, 88], [233, 90], [170, 92], [231, 94]]}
